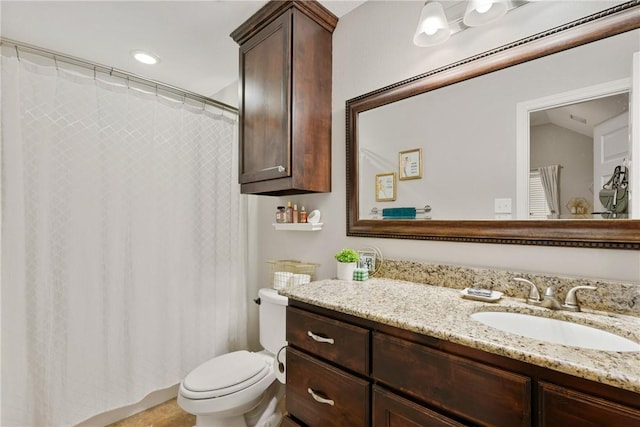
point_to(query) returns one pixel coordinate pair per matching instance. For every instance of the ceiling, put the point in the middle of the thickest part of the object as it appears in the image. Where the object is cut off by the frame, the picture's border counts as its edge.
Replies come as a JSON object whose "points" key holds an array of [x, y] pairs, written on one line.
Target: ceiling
{"points": [[190, 37], [583, 116]]}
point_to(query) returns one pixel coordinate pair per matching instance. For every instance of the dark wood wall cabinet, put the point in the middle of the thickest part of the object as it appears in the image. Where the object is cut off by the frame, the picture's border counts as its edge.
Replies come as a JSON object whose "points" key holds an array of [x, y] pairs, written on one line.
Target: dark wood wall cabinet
{"points": [[285, 99], [348, 371]]}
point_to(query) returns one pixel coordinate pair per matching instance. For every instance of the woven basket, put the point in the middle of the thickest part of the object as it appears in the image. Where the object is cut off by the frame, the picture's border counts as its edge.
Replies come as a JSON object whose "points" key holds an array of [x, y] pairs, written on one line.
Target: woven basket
{"points": [[292, 266]]}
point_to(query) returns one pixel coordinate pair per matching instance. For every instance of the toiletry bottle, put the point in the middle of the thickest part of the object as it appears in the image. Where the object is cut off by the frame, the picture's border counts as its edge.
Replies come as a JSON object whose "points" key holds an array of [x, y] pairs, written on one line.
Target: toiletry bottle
{"points": [[295, 214], [281, 214], [289, 212], [302, 215]]}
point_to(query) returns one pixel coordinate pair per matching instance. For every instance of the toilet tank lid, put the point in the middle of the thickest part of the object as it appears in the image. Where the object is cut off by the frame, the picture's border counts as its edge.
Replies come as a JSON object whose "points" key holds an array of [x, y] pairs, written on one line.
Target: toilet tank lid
{"points": [[272, 296]]}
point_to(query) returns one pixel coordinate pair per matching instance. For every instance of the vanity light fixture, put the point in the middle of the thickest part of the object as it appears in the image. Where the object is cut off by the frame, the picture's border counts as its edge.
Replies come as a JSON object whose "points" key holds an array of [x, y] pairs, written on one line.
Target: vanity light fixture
{"points": [[145, 57], [441, 19], [433, 27], [481, 12]]}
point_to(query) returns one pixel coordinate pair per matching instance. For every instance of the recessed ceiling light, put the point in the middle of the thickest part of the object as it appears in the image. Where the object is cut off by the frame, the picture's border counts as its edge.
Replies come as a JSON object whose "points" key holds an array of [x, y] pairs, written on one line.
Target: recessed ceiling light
{"points": [[145, 57]]}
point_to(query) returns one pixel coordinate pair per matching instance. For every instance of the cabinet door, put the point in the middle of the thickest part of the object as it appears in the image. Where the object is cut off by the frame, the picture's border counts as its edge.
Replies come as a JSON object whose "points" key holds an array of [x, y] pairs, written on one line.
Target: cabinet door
{"points": [[288, 422], [561, 406], [464, 388], [390, 410], [265, 64], [323, 396]]}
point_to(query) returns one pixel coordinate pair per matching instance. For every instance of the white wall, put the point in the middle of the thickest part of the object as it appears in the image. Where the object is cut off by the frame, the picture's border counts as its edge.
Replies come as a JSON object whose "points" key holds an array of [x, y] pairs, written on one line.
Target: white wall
{"points": [[372, 47], [553, 145], [228, 94]]}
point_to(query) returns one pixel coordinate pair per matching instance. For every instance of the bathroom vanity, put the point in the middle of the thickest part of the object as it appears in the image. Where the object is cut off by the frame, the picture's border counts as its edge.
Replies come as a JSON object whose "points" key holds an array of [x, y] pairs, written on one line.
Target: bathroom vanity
{"points": [[393, 353]]}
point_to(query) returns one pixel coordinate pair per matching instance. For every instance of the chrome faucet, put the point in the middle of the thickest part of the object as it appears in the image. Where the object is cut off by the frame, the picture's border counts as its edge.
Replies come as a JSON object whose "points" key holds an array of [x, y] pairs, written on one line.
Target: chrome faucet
{"points": [[550, 300]]}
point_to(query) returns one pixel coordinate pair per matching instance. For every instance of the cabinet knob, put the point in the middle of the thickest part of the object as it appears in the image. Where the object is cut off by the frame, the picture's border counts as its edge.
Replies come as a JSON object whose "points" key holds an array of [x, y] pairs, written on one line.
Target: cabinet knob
{"points": [[318, 338], [319, 398]]}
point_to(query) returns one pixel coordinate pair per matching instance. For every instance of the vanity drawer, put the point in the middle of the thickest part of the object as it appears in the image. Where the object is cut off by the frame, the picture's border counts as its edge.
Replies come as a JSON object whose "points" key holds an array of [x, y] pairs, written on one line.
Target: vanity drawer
{"points": [[473, 391], [340, 399], [344, 344]]}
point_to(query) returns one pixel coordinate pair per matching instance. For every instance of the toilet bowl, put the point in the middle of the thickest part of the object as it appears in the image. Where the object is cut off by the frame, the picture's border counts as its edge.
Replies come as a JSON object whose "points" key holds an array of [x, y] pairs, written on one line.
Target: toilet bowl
{"points": [[223, 390]]}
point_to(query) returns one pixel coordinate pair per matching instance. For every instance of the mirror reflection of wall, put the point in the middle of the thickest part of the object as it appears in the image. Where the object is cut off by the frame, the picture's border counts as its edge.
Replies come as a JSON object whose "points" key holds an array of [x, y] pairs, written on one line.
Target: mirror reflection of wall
{"points": [[467, 133], [565, 136]]}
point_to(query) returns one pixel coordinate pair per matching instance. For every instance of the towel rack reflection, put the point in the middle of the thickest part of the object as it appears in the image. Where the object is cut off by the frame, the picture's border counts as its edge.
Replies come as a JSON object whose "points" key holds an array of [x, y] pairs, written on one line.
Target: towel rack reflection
{"points": [[376, 212]]}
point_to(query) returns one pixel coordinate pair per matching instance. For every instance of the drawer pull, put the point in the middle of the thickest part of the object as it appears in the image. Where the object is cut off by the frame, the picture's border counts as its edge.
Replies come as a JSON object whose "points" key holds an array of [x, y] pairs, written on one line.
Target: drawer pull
{"points": [[318, 338], [280, 169], [320, 398]]}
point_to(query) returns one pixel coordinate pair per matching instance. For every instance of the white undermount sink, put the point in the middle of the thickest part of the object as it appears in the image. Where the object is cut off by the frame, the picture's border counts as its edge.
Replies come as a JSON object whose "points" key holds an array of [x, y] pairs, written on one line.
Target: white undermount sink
{"points": [[556, 331]]}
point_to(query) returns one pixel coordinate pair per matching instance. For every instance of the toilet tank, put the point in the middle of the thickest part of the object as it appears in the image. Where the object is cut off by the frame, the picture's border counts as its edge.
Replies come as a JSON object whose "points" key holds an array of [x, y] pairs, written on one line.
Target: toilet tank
{"points": [[273, 319]]}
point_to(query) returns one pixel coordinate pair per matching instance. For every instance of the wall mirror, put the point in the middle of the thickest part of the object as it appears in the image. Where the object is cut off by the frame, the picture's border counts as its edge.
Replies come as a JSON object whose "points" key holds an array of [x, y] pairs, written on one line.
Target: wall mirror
{"points": [[471, 161]]}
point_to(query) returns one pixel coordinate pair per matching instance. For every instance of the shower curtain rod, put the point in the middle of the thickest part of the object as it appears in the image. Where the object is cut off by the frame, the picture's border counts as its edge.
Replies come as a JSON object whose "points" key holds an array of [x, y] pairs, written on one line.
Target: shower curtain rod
{"points": [[61, 57], [535, 169]]}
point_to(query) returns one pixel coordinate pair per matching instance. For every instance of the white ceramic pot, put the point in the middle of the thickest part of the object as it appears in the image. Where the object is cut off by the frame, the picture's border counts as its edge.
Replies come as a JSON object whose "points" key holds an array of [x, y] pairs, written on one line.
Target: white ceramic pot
{"points": [[345, 270]]}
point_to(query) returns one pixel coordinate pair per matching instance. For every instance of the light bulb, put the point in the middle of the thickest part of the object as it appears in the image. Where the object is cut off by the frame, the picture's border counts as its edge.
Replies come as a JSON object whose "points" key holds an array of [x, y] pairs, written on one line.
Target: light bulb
{"points": [[430, 27], [483, 8], [481, 12], [145, 57]]}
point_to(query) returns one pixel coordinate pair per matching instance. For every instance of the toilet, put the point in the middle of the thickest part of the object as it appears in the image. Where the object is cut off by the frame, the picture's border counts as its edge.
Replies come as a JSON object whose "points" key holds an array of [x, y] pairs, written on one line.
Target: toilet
{"points": [[240, 389]]}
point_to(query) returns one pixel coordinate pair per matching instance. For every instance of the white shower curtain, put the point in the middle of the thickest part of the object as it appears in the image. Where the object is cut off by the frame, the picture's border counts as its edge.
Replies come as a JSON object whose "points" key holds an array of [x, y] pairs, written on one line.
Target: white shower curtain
{"points": [[122, 243]]}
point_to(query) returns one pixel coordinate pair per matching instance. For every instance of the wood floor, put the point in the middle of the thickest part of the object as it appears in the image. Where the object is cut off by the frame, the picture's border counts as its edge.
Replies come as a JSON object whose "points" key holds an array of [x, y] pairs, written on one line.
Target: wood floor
{"points": [[167, 414]]}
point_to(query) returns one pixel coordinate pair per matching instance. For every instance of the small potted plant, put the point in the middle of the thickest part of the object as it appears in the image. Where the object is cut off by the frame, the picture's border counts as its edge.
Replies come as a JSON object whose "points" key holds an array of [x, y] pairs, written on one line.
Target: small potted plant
{"points": [[347, 262]]}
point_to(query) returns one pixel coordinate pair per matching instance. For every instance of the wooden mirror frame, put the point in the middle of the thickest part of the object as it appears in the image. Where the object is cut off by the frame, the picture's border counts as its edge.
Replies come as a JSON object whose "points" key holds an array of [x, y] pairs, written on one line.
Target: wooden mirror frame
{"points": [[609, 233]]}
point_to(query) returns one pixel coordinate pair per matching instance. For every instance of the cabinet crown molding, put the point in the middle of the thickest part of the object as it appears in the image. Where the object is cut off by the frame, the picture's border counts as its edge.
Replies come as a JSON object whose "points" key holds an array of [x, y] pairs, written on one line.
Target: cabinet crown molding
{"points": [[273, 9]]}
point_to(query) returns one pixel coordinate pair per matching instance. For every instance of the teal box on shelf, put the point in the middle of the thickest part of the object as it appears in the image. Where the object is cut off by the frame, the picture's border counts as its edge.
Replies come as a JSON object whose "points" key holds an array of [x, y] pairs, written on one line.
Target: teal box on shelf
{"points": [[399, 213]]}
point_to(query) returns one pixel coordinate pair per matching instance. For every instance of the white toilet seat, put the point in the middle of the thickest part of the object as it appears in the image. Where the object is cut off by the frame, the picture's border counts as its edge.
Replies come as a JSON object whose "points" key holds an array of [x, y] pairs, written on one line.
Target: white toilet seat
{"points": [[224, 375], [227, 410]]}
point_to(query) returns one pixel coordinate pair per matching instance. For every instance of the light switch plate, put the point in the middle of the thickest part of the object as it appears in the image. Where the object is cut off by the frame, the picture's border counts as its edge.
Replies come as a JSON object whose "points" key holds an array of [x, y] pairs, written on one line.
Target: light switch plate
{"points": [[502, 206]]}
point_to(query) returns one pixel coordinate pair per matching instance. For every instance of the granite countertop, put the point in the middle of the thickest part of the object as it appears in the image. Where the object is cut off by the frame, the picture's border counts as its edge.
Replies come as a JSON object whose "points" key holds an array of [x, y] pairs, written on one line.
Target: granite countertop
{"points": [[441, 312]]}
